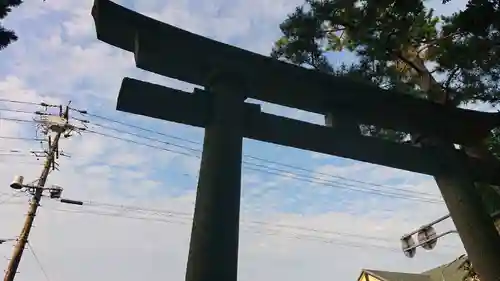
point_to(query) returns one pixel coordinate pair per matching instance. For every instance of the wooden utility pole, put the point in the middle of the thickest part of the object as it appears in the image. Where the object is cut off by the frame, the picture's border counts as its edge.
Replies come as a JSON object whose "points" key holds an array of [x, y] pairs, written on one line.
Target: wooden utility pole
{"points": [[49, 164]]}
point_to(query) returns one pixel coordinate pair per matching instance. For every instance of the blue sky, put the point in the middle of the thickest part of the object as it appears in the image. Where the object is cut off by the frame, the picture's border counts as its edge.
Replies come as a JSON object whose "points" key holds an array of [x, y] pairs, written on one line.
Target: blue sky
{"points": [[58, 58]]}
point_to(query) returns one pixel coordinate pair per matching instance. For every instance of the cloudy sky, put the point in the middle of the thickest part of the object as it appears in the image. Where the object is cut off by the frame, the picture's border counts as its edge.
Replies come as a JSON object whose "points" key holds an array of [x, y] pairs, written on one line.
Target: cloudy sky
{"points": [[304, 216]]}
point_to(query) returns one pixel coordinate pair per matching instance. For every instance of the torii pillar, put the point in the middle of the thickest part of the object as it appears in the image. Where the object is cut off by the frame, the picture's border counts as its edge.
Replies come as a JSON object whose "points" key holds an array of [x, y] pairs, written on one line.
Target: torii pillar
{"points": [[213, 249]]}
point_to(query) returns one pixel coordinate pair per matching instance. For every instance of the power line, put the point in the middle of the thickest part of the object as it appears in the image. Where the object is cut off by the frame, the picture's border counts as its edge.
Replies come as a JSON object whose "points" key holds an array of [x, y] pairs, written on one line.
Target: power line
{"points": [[134, 126], [38, 261], [84, 112], [21, 138], [299, 236], [355, 188], [291, 175], [17, 120], [143, 144], [16, 110], [145, 137], [330, 182], [186, 215], [279, 172], [20, 102], [10, 196], [245, 155], [182, 221]]}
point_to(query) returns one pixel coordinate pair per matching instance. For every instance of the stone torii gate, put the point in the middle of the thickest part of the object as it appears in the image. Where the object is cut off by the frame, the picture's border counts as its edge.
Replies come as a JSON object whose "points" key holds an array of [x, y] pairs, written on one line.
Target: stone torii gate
{"points": [[230, 75]]}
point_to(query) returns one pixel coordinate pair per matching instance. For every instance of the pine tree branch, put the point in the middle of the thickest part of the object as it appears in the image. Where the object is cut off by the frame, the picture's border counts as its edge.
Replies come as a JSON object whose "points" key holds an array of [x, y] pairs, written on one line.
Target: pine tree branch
{"points": [[6, 37], [452, 75]]}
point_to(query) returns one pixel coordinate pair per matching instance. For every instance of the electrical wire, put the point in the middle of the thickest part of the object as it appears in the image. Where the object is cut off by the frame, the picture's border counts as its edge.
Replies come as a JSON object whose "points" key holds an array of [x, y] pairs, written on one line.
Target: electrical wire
{"points": [[10, 196], [182, 221], [299, 236], [277, 172], [17, 110], [186, 215], [245, 155], [248, 156], [273, 162], [143, 144], [20, 138], [17, 120], [19, 102], [290, 175], [135, 127], [38, 261], [146, 138]]}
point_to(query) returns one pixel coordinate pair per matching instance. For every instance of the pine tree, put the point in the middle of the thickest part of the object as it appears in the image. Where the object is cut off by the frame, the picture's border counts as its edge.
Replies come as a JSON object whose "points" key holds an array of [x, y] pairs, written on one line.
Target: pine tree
{"points": [[402, 45], [7, 36]]}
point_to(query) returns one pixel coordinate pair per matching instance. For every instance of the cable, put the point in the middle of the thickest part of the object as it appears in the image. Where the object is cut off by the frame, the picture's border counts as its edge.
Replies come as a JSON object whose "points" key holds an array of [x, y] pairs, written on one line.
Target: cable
{"points": [[269, 161], [245, 155], [182, 221], [10, 196], [20, 138], [279, 172], [134, 126], [38, 261], [147, 138], [84, 112], [17, 120], [290, 175], [345, 186], [17, 111], [185, 215], [139, 143], [20, 102], [14, 154], [298, 236]]}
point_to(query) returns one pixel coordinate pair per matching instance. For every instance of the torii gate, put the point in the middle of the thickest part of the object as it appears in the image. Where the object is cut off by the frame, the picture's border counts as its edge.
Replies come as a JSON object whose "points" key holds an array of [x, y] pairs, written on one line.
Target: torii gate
{"points": [[230, 75]]}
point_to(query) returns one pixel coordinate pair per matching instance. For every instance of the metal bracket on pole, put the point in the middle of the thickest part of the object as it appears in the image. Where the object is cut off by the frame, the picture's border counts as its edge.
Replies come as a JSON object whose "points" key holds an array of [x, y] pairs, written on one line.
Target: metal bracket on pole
{"points": [[426, 235]]}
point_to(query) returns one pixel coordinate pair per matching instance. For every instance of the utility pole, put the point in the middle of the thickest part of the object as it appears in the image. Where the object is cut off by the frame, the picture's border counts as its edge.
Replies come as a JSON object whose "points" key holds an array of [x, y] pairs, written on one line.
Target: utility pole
{"points": [[60, 128]]}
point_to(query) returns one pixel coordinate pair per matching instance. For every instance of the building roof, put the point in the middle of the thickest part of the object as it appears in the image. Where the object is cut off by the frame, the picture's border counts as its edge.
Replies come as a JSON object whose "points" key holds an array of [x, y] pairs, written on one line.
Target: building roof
{"points": [[452, 271], [398, 276]]}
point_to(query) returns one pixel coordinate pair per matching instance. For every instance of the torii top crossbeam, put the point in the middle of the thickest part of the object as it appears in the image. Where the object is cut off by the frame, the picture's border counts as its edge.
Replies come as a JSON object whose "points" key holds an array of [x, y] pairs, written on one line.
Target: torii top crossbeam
{"points": [[176, 53]]}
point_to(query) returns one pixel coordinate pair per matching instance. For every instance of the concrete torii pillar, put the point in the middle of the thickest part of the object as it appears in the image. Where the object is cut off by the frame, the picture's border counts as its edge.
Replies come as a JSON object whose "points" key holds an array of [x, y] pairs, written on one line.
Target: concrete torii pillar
{"points": [[213, 250]]}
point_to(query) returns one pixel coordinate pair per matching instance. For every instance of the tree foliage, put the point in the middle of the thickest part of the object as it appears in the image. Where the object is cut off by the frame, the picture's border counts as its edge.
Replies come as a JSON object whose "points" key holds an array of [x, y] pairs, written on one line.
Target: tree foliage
{"points": [[471, 274], [7, 36], [402, 45]]}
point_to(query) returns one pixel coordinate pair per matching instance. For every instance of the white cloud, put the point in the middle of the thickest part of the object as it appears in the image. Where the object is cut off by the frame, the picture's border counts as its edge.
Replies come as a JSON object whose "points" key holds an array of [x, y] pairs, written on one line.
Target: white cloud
{"points": [[58, 58]]}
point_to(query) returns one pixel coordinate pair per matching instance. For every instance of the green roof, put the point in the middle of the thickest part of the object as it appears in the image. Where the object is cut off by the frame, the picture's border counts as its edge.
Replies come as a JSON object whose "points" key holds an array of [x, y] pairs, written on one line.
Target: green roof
{"points": [[451, 271], [398, 276]]}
